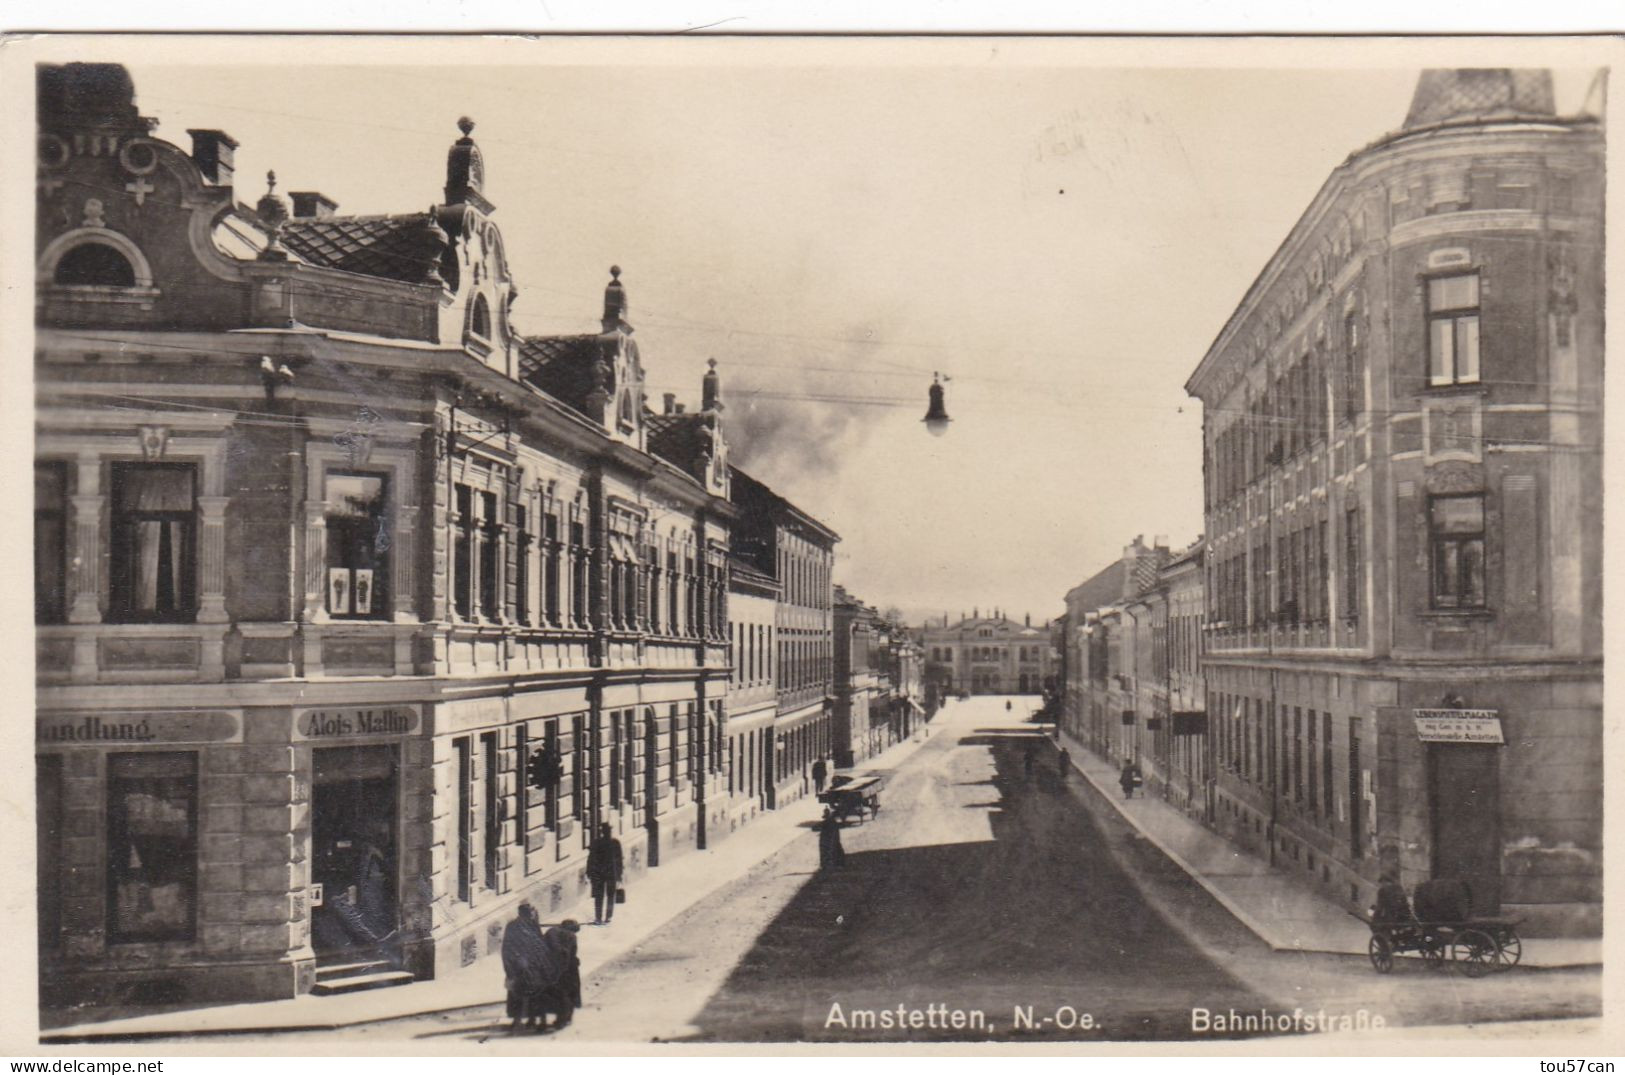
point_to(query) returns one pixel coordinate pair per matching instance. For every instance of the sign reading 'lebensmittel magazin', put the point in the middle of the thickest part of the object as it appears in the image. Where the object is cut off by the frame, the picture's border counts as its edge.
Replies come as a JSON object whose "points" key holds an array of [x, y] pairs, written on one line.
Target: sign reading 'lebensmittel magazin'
{"points": [[1458, 726]]}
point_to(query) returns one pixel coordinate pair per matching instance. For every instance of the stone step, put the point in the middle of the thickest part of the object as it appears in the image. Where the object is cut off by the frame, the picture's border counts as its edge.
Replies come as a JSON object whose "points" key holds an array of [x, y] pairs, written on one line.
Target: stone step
{"points": [[326, 972], [354, 983]]}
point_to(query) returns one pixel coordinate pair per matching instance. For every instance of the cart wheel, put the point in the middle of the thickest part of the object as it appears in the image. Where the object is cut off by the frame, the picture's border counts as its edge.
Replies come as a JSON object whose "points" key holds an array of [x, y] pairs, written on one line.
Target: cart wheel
{"points": [[1511, 949], [1474, 951], [1433, 952], [1381, 950]]}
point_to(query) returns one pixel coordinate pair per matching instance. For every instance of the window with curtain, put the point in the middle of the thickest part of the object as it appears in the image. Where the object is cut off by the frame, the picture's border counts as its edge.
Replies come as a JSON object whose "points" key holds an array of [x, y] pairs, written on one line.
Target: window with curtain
{"points": [[490, 535], [1351, 565], [523, 606], [1353, 369], [462, 552], [1457, 529], [1452, 312], [151, 846], [357, 546], [154, 531], [50, 542], [551, 577]]}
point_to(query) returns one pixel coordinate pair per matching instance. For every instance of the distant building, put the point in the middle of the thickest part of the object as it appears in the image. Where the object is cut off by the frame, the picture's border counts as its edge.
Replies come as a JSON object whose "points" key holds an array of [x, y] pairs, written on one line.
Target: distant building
{"points": [[1402, 430], [989, 655], [797, 551], [858, 680], [753, 696], [902, 662]]}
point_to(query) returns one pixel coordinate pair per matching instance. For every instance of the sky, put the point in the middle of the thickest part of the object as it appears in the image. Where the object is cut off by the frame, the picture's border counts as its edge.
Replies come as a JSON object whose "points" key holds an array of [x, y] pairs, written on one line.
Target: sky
{"points": [[1062, 241]]}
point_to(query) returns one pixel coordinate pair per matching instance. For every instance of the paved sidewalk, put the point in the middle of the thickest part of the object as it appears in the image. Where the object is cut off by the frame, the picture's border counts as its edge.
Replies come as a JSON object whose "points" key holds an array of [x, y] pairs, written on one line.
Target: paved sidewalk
{"points": [[1282, 912], [659, 896]]}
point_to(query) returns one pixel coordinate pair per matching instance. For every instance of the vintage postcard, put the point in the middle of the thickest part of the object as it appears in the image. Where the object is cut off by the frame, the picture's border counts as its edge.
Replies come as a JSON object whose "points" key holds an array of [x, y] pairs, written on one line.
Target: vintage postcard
{"points": [[576, 544]]}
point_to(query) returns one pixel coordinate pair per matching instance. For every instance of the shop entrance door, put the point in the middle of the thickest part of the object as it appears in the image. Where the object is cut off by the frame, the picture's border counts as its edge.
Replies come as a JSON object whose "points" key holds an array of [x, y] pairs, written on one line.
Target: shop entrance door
{"points": [[1466, 796], [354, 851]]}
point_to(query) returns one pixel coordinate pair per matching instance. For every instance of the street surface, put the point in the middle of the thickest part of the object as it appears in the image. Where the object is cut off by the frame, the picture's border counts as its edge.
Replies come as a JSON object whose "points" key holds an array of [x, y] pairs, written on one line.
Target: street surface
{"points": [[980, 889]]}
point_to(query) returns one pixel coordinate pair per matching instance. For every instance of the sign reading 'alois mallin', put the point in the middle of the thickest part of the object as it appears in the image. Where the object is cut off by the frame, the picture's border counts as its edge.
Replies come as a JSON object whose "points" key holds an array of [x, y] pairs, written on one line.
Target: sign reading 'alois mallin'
{"points": [[338, 722]]}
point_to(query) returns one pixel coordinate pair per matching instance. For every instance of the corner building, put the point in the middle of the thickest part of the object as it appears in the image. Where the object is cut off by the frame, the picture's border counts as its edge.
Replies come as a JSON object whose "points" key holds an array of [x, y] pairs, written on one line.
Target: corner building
{"points": [[1403, 651], [357, 609]]}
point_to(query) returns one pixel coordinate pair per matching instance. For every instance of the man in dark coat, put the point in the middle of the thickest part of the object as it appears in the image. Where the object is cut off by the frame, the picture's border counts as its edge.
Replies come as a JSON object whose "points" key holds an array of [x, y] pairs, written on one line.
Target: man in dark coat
{"points": [[605, 870], [529, 967], [1128, 779], [819, 772]]}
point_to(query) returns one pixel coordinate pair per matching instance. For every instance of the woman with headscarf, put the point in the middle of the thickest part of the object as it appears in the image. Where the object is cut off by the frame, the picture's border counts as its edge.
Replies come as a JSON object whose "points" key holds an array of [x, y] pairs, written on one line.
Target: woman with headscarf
{"points": [[562, 996]]}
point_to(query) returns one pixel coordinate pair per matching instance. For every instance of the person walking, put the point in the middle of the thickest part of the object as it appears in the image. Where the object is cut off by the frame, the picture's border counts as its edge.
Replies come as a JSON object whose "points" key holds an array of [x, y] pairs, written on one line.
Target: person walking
{"points": [[819, 772], [1063, 763], [1128, 779], [605, 870]]}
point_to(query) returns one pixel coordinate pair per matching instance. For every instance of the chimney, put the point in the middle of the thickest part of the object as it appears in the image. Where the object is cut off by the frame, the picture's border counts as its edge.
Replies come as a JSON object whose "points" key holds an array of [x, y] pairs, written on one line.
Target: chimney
{"points": [[671, 403], [1160, 541], [312, 205], [213, 152], [1029, 619], [711, 389], [679, 409]]}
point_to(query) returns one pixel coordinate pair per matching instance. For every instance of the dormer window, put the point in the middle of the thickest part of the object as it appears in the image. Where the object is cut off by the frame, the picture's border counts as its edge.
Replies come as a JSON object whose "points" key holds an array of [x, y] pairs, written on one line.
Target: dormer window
{"points": [[625, 413], [479, 322], [94, 264]]}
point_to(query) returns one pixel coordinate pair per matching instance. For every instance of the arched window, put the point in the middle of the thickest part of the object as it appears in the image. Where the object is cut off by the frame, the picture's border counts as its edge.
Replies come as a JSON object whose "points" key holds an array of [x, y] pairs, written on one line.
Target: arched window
{"points": [[479, 323], [94, 265]]}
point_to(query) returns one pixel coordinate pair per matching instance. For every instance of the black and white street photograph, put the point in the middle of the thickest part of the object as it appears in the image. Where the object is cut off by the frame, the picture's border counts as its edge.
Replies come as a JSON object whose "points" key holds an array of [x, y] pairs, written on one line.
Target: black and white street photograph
{"points": [[551, 544]]}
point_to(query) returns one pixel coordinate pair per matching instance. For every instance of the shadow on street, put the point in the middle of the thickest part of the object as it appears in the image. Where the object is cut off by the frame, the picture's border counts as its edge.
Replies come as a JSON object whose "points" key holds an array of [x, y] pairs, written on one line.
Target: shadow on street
{"points": [[1040, 915]]}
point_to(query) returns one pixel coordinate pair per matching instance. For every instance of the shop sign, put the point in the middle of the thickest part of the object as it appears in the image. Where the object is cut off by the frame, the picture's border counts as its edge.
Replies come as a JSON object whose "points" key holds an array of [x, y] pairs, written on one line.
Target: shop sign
{"points": [[353, 722], [1458, 726], [137, 729], [1190, 722]]}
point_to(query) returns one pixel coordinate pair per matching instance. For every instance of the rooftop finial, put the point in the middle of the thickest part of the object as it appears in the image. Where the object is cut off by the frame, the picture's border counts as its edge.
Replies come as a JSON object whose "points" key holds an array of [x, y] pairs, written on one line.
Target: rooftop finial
{"points": [[465, 171], [273, 213], [615, 305]]}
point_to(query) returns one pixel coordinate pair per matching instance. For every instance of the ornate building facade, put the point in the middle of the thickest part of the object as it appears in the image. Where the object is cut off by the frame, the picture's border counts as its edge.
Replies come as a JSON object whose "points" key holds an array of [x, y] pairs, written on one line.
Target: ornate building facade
{"points": [[1404, 621], [358, 610]]}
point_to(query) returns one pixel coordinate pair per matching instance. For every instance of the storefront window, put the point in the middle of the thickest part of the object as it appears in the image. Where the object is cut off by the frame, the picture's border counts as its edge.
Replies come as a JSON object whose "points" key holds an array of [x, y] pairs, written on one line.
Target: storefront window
{"points": [[48, 846], [154, 539], [357, 546], [151, 846], [50, 542]]}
